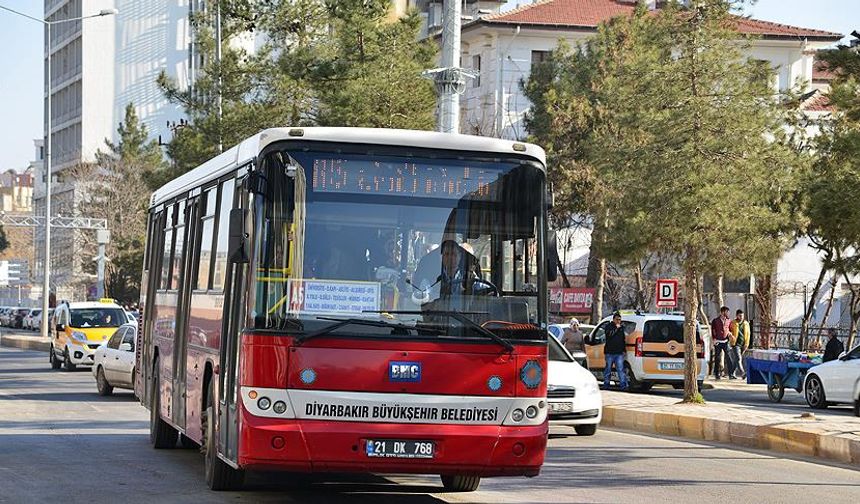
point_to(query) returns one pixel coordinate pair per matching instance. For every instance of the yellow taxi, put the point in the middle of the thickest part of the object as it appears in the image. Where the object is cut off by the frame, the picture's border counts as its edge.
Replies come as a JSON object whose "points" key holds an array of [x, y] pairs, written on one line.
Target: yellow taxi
{"points": [[655, 350], [78, 329]]}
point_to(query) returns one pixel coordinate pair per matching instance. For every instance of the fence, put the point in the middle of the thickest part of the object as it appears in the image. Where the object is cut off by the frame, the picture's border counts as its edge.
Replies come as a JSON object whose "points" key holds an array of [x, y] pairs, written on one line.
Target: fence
{"points": [[788, 336]]}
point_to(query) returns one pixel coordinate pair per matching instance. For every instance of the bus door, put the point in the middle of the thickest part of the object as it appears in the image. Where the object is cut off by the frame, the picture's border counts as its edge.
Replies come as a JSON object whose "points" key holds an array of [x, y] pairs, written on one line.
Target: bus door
{"points": [[185, 282], [233, 322]]}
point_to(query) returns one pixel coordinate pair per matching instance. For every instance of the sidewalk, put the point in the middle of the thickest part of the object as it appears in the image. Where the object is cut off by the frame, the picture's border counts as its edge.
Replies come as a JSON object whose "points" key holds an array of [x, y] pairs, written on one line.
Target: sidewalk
{"points": [[23, 340], [835, 437]]}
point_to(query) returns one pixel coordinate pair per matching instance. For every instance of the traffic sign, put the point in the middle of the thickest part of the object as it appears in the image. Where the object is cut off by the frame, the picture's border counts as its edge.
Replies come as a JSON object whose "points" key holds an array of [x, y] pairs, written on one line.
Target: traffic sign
{"points": [[667, 293]]}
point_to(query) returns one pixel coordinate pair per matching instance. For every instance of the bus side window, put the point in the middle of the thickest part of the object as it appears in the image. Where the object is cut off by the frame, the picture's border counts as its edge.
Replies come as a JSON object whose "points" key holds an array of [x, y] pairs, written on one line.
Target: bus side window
{"points": [[204, 272], [166, 258], [223, 233]]}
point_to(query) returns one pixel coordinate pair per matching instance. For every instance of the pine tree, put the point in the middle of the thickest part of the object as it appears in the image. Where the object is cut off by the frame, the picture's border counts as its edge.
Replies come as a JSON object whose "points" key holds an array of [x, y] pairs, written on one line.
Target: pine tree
{"points": [[688, 146]]}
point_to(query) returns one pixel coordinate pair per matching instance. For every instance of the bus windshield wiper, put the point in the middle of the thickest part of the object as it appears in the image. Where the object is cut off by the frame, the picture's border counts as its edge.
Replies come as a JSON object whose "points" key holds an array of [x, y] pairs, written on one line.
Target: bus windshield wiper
{"points": [[339, 322], [463, 319]]}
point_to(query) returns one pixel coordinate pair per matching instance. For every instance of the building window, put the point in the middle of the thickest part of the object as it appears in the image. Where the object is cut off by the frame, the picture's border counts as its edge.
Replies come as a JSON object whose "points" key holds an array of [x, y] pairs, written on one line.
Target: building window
{"points": [[476, 66], [539, 57]]}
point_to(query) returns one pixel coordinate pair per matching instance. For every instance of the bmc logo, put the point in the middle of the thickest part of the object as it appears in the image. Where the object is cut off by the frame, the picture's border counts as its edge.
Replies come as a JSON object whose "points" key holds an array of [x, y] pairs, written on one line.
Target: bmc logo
{"points": [[401, 371]]}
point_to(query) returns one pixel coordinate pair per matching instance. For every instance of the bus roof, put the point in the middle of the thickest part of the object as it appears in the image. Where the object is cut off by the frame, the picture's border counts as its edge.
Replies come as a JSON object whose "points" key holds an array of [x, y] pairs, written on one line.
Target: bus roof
{"points": [[249, 148]]}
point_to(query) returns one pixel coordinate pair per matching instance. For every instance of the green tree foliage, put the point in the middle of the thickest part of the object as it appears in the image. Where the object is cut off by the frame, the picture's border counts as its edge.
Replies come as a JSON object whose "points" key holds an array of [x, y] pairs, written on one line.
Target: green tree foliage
{"points": [[4, 241], [834, 216], [686, 144], [325, 63], [118, 192]]}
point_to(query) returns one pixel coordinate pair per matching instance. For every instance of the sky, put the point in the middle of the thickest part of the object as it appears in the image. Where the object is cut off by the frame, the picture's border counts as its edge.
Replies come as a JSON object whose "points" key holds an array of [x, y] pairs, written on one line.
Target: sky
{"points": [[21, 67]]}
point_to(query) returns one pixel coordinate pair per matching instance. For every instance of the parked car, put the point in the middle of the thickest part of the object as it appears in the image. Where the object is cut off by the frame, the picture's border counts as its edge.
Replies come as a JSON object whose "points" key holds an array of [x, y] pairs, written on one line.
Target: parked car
{"points": [[30, 317], [572, 393], [79, 329], [113, 362], [655, 350], [37, 319], [16, 317], [835, 382], [4, 315]]}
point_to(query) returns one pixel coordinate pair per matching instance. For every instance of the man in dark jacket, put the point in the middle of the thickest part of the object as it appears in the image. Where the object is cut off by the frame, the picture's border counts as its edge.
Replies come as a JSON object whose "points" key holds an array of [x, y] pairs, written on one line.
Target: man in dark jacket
{"points": [[614, 350], [720, 334], [834, 346]]}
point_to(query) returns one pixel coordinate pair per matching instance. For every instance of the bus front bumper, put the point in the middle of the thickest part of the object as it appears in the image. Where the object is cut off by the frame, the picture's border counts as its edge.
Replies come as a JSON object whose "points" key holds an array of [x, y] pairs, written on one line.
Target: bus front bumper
{"points": [[331, 446]]}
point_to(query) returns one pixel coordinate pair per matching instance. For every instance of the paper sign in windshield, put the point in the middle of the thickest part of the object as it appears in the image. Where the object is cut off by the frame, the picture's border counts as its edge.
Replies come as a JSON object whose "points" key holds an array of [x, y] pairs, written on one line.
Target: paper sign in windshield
{"points": [[333, 296]]}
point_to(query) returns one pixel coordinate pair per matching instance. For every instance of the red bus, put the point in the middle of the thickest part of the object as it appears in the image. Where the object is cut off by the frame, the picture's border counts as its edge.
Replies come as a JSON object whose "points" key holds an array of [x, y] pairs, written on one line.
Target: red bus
{"points": [[351, 300]]}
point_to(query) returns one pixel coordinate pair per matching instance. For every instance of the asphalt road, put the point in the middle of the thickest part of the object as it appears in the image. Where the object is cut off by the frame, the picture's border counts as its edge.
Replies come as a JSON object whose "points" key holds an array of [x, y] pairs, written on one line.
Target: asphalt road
{"points": [[61, 442]]}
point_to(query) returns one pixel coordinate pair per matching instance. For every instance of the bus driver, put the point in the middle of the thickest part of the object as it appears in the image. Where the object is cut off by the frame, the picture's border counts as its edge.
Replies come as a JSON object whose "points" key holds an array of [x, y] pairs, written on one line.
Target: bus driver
{"points": [[458, 269]]}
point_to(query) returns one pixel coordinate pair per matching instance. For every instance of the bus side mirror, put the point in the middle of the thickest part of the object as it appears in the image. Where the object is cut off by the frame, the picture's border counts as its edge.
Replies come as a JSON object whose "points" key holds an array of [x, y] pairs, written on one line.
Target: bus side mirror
{"points": [[551, 256], [238, 248]]}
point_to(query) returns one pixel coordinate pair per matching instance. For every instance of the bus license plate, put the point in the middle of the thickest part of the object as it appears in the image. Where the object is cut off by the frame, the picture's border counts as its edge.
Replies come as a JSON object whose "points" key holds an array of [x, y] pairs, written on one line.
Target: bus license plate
{"points": [[393, 448], [671, 366]]}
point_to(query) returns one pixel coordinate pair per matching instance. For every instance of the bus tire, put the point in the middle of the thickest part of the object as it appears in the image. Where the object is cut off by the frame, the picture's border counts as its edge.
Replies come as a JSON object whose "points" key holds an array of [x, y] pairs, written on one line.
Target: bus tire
{"points": [[102, 384], [52, 358], [187, 443], [68, 365], [219, 475], [460, 482], [161, 434]]}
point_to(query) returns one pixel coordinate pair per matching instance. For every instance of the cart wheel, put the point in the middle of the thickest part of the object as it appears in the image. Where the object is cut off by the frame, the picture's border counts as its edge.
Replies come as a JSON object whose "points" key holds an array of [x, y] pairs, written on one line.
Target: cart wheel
{"points": [[775, 390]]}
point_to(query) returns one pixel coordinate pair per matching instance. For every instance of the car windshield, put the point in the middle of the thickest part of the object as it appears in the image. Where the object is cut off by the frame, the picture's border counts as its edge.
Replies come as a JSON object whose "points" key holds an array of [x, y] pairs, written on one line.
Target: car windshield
{"points": [[97, 317], [353, 235], [557, 353]]}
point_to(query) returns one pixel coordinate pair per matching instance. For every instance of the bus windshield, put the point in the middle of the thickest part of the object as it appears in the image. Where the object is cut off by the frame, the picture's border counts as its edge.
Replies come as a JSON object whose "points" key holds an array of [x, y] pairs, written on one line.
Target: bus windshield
{"points": [[406, 239]]}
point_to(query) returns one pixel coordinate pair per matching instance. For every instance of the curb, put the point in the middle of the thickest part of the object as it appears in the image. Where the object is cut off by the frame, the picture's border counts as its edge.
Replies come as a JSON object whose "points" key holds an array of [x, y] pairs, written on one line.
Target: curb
{"points": [[25, 343], [795, 441]]}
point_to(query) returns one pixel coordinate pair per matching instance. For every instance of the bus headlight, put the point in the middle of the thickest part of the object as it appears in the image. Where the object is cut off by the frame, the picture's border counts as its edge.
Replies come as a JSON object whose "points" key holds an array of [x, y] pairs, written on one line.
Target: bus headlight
{"points": [[517, 415], [264, 403], [279, 407], [531, 412]]}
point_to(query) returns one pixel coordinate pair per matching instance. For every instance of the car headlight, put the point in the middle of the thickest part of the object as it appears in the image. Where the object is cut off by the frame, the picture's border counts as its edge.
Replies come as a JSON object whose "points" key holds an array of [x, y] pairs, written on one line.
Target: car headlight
{"points": [[79, 336], [590, 387]]}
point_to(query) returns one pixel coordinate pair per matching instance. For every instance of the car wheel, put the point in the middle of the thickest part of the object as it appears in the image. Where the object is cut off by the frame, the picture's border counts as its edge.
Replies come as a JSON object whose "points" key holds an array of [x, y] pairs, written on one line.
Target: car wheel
{"points": [[814, 393], [632, 383], [857, 407], [105, 389], [52, 358], [219, 475], [67, 361], [586, 430], [161, 434], [461, 483]]}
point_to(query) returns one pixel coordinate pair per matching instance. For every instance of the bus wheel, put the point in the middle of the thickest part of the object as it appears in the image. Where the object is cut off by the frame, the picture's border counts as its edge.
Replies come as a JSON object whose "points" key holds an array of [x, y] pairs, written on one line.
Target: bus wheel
{"points": [[52, 358], [161, 434], [67, 361], [219, 475], [101, 382], [187, 443], [461, 483]]}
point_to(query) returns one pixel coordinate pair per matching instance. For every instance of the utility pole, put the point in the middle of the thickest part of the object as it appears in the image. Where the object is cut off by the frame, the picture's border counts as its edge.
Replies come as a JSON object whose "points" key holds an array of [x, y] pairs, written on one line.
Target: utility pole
{"points": [[219, 104], [450, 79]]}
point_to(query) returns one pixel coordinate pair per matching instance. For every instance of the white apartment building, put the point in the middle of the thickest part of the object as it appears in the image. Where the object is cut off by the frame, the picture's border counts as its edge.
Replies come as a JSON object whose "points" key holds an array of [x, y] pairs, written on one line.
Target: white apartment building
{"points": [[98, 66]]}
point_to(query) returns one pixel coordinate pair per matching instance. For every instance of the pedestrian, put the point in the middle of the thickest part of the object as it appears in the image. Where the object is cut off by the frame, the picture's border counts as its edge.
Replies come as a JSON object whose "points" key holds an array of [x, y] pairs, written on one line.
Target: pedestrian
{"points": [[572, 339], [739, 340], [613, 351], [834, 347], [720, 334]]}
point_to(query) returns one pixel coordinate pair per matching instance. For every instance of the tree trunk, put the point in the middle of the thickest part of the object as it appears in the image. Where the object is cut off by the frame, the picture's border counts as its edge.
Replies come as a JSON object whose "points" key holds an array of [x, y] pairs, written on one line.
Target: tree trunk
{"points": [[596, 275], [721, 298], [764, 304], [833, 282], [597, 306], [691, 363], [640, 287], [810, 305]]}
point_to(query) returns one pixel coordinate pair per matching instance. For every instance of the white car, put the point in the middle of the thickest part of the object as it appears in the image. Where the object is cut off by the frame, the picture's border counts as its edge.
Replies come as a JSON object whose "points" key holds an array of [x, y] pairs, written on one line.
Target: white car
{"points": [[572, 392], [113, 361], [837, 381]]}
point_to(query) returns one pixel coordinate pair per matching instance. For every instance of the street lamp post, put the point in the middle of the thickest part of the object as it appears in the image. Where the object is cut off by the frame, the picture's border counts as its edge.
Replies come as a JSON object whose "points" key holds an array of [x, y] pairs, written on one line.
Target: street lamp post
{"points": [[46, 287]]}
